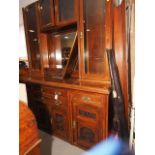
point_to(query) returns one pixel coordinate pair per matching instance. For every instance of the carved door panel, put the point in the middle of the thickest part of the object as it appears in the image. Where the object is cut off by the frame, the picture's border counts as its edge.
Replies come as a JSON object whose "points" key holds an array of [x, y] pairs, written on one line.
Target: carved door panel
{"points": [[87, 131], [60, 123], [87, 134]]}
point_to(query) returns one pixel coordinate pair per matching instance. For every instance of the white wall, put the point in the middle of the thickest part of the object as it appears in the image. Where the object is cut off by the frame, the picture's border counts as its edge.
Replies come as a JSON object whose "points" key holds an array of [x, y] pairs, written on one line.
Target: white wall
{"points": [[22, 53], [22, 93], [22, 42]]}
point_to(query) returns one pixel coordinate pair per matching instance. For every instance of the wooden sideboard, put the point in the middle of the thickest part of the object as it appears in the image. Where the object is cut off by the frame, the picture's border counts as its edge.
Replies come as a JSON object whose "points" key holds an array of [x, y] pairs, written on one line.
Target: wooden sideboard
{"points": [[76, 113], [68, 83]]}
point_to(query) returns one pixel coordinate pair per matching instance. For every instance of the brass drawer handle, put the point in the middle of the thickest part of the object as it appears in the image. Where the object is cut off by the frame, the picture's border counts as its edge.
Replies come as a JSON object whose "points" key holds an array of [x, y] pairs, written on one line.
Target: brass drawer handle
{"points": [[86, 98]]}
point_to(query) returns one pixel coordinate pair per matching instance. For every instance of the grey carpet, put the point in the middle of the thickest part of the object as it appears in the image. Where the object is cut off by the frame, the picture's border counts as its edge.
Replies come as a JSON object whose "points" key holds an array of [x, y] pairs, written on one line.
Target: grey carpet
{"points": [[52, 145]]}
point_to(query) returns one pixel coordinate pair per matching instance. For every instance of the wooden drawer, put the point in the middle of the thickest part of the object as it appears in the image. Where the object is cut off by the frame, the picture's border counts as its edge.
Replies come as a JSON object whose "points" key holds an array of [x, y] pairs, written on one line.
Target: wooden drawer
{"points": [[54, 91], [93, 99], [60, 102]]}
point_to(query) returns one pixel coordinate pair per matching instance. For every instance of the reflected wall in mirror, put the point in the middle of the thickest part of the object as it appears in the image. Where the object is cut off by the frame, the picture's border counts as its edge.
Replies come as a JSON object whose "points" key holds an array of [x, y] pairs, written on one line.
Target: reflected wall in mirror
{"points": [[60, 48]]}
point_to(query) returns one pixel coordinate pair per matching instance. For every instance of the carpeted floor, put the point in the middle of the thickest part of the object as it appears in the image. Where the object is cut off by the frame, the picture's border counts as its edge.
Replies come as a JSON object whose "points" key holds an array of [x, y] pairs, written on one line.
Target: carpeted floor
{"points": [[54, 146]]}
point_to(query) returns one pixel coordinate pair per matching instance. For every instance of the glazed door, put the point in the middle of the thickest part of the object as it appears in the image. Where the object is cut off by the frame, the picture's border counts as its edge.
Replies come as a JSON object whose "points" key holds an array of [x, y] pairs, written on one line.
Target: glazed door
{"points": [[46, 13], [92, 38], [30, 21], [66, 11]]}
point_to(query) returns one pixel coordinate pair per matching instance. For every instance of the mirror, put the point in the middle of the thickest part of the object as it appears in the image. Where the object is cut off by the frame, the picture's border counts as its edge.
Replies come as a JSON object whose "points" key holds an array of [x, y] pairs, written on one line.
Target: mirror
{"points": [[60, 46]]}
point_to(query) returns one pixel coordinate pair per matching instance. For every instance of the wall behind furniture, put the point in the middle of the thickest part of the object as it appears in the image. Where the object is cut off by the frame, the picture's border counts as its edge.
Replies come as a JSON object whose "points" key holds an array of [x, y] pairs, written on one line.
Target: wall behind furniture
{"points": [[22, 53], [22, 93]]}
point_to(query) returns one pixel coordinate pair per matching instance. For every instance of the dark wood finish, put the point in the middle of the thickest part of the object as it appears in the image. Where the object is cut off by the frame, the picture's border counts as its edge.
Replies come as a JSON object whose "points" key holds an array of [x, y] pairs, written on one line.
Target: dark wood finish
{"points": [[46, 8], [36, 42], [29, 141], [72, 98], [73, 59], [119, 46], [92, 40], [23, 72], [39, 109], [57, 101], [102, 88], [60, 123], [32, 39], [66, 11], [89, 118]]}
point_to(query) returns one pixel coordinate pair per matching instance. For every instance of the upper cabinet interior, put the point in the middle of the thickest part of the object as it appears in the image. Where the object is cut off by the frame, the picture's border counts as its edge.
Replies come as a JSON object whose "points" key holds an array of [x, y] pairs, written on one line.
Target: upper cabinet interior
{"points": [[92, 37], [74, 42], [63, 52], [32, 35], [55, 13], [66, 11], [46, 8]]}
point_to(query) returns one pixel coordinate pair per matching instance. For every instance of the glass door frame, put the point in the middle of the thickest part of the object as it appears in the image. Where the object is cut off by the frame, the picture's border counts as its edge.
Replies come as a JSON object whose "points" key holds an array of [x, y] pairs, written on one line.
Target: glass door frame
{"points": [[83, 75], [68, 21]]}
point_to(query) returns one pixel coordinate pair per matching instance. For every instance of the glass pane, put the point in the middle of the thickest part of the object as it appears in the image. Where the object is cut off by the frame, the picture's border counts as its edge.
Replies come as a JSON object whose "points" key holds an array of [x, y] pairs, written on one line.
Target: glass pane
{"points": [[66, 9], [94, 46], [63, 46], [46, 12], [66, 45], [33, 38]]}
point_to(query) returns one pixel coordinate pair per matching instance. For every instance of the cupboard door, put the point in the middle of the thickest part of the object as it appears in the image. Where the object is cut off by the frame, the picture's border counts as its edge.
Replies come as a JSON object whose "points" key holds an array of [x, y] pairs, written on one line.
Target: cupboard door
{"points": [[30, 21], [93, 38], [66, 11], [89, 118], [46, 13], [87, 134], [87, 127], [60, 123]]}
